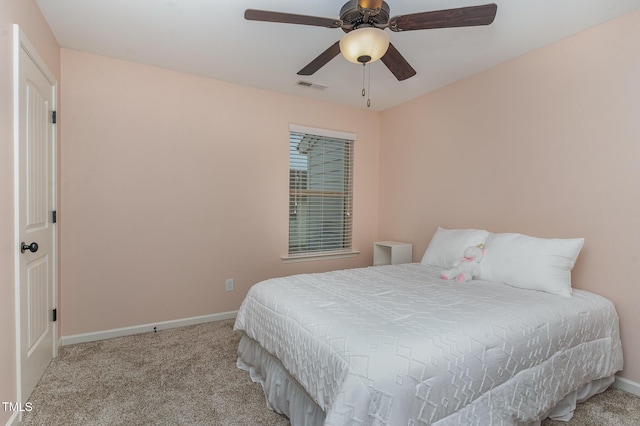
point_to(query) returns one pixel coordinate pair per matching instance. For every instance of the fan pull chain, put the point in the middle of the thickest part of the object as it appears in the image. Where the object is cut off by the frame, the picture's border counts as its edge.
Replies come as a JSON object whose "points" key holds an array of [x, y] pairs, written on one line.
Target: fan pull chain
{"points": [[368, 79], [364, 65], [369, 88]]}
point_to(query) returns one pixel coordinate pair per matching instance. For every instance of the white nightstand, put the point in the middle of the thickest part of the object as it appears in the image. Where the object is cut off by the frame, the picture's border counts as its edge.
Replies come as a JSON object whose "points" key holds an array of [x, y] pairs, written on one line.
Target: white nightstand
{"points": [[392, 253]]}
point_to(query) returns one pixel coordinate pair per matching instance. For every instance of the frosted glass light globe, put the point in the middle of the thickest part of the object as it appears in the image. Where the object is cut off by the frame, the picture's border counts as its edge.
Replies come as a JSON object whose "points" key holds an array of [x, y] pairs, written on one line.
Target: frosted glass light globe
{"points": [[364, 45]]}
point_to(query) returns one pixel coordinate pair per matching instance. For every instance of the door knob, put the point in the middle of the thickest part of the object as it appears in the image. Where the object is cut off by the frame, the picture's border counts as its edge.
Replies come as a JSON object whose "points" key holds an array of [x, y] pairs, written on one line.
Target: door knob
{"points": [[33, 247]]}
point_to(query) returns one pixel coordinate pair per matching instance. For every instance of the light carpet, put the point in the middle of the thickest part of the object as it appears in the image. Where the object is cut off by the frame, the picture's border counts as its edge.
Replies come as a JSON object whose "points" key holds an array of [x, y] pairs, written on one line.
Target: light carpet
{"points": [[188, 376]]}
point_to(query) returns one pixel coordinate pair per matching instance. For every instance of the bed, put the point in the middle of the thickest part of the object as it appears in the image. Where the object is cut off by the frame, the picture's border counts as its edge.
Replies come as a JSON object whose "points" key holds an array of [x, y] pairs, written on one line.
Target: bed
{"points": [[398, 345]]}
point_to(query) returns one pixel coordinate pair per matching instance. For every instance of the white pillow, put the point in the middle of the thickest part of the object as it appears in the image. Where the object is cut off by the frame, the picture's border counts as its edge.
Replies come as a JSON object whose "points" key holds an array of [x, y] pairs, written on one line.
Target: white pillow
{"points": [[532, 263], [448, 245]]}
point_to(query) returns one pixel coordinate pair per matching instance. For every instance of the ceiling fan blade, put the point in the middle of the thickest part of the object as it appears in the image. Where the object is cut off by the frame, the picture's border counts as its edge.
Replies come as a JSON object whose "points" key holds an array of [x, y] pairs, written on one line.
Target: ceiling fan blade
{"points": [[397, 64], [460, 17], [290, 18], [321, 60]]}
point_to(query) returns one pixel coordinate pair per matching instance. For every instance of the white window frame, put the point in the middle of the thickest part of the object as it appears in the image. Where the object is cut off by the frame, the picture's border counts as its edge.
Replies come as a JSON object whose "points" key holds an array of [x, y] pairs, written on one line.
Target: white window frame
{"points": [[322, 255]]}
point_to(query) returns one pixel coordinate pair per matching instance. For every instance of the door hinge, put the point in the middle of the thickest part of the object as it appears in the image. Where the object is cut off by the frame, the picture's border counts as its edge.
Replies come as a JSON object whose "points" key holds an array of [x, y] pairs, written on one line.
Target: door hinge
{"points": [[53, 117], [54, 216], [54, 315]]}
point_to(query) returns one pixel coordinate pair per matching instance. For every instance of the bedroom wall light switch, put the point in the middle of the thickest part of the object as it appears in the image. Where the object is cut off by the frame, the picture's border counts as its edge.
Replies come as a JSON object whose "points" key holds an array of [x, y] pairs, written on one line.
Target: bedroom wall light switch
{"points": [[229, 284]]}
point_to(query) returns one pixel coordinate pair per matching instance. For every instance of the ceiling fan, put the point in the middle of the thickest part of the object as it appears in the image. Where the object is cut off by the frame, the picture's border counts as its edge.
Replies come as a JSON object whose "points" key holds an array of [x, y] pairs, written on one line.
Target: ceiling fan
{"points": [[374, 14]]}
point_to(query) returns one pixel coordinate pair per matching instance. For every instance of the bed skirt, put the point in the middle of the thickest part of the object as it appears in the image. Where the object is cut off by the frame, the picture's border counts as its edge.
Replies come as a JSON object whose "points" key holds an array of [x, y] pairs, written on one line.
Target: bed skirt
{"points": [[563, 411], [285, 396], [283, 393]]}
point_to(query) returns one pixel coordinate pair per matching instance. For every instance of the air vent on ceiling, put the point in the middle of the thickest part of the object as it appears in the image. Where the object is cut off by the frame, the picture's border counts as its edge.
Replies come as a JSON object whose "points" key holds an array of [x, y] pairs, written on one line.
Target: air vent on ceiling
{"points": [[311, 85]]}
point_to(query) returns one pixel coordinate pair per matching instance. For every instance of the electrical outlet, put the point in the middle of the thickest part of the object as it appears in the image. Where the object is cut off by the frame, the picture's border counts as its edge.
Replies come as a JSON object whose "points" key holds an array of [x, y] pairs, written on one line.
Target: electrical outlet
{"points": [[229, 284]]}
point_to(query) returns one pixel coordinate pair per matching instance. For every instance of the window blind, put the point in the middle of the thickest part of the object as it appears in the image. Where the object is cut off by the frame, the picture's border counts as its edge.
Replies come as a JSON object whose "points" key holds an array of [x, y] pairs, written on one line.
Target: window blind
{"points": [[320, 193]]}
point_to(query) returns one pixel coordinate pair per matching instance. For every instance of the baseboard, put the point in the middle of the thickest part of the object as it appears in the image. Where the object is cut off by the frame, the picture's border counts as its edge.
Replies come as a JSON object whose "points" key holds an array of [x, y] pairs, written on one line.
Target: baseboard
{"points": [[627, 385], [146, 328], [14, 420]]}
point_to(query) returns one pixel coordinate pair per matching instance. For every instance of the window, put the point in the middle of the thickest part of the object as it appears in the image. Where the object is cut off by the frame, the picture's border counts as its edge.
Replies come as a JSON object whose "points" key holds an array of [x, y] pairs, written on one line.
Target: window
{"points": [[320, 191]]}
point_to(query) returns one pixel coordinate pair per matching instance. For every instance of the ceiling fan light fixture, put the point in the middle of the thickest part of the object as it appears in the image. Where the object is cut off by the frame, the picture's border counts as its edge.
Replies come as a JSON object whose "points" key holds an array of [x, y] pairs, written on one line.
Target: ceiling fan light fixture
{"points": [[364, 45]]}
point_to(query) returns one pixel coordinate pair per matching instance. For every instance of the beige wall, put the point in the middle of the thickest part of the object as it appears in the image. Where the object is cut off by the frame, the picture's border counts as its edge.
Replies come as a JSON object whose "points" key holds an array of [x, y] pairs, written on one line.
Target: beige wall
{"points": [[172, 183], [547, 144], [26, 14]]}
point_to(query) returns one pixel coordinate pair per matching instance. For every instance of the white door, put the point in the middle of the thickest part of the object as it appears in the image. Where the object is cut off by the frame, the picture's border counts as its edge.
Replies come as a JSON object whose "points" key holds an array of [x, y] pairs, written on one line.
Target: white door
{"points": [[36, 234]]}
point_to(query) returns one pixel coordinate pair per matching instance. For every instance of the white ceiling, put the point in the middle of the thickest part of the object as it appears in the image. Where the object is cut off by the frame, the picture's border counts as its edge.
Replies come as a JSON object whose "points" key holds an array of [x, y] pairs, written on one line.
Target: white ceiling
{"points": [[211, 38]]}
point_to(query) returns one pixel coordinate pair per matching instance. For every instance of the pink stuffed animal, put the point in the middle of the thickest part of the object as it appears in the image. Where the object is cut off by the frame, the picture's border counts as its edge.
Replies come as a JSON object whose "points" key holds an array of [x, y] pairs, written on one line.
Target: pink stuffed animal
{"points": [[467, 268]]}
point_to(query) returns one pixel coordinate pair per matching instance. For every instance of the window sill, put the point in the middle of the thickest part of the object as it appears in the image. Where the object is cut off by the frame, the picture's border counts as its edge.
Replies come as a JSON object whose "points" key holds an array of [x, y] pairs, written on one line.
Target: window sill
{"points": [[320, 256]]}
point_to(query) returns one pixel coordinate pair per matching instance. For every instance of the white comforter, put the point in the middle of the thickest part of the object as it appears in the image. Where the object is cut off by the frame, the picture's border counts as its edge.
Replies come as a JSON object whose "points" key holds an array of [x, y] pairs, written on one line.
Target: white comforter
{"points": [[398, 345]]}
